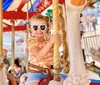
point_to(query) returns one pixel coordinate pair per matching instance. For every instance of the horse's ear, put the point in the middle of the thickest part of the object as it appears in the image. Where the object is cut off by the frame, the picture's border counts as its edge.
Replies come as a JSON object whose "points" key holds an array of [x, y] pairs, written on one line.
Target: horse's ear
{"points": [[90, 3], [5, 51], [1, 58]]}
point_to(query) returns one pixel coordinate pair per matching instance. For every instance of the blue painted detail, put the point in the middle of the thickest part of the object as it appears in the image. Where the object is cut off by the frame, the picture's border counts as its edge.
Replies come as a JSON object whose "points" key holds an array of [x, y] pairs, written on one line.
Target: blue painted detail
{"points": [[6, 4], [95, 81], [33, 8], [63, 75]]}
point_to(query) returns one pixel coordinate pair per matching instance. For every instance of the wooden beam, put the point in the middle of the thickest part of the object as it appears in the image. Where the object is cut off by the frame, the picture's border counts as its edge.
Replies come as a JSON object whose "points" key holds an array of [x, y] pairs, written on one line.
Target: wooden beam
{"points": [[17, 28]]}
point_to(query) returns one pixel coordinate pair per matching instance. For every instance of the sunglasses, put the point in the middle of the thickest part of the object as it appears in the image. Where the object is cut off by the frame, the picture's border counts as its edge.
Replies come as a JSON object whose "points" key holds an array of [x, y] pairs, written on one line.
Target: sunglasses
{"points": [[41, 27]]}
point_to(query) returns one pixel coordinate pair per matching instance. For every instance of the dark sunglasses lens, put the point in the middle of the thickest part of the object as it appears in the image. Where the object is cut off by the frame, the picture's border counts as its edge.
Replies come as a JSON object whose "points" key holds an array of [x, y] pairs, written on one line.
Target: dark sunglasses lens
{"points": [[35, 27], [42, 27]]}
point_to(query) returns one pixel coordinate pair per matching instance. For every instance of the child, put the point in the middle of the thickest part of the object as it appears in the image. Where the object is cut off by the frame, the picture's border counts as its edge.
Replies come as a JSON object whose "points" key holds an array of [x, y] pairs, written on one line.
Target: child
{"points": [[40, 48]]}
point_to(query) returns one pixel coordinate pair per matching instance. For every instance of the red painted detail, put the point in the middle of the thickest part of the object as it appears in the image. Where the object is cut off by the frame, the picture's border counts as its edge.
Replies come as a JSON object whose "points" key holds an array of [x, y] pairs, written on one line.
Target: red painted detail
{"points": [[17, 15], [41, 7], [94, 83], [17, 28], [44, 6], [42, 82], [40, 4], [61, 1], [21, 5]]}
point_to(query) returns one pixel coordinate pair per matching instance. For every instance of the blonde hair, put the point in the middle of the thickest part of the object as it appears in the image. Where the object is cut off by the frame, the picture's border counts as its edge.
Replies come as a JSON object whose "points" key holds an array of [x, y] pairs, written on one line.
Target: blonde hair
{"points": [[40, 17]]}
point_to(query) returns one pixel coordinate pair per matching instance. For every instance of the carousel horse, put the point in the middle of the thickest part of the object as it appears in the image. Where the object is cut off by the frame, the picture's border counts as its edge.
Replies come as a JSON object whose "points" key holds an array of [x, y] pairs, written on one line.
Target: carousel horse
{"points": [[3, 72], [3, 68], [77, 74], [96, 57], [6, 78], [95, 54], [23, 79]]}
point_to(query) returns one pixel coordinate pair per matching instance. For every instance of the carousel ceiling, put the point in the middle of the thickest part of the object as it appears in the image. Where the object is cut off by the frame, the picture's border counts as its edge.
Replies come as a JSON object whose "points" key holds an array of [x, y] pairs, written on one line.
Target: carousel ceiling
{"points": [[17, 10]]}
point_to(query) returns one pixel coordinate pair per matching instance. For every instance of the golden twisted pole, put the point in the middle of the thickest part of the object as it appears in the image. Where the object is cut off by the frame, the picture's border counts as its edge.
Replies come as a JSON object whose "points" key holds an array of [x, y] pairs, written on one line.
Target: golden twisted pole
{"points": [[13, 44], [1, 18], [26, 51], [56, 45], [1, 30]]}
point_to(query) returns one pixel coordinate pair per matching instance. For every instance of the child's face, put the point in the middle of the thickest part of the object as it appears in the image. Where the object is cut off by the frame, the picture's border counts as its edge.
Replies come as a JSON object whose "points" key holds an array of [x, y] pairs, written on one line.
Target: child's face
{"points": [[38, 28]]}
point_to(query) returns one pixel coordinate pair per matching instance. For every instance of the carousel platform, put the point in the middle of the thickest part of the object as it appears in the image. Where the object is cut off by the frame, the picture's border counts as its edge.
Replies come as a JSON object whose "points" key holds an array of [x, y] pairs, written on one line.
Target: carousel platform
{"points": [[93, 81]]}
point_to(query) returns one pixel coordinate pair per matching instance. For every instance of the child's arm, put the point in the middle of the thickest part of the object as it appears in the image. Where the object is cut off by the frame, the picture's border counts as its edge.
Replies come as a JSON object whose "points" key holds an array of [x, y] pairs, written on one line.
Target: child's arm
{"points": [[40, 53]]}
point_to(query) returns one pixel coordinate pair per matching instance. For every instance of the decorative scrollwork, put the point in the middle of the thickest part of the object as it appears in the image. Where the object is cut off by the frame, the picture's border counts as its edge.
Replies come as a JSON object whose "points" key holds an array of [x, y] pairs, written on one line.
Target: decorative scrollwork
{"points": [[74, 79]]}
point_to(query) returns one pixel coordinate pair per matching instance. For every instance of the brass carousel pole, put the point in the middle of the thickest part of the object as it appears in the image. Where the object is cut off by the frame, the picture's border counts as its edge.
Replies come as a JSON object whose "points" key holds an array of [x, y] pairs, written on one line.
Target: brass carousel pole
{"points": [[27, 32], [13, 44], [1, 19], [56, 45]]}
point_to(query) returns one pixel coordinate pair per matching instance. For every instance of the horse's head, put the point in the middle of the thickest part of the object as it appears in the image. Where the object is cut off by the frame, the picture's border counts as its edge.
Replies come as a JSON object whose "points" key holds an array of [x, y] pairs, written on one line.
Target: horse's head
{"points": [[90, 3], [3, 59]]}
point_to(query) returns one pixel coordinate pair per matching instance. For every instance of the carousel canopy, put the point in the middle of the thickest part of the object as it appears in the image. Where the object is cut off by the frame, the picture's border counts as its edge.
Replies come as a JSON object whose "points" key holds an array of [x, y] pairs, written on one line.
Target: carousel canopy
{"points": [[17, 10]]}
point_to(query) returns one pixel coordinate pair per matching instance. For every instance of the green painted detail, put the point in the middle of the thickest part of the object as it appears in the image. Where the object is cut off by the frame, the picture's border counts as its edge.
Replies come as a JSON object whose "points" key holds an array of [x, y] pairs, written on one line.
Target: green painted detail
{"points": [[97, 72], [98, 0], [49, 13]]}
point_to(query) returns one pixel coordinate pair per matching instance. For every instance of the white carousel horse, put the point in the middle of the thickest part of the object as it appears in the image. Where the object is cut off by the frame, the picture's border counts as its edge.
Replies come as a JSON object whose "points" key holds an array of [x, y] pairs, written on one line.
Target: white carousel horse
{"points": [[77, 74], [5, 77], [3, 73], [23, 79], [95, 54]]}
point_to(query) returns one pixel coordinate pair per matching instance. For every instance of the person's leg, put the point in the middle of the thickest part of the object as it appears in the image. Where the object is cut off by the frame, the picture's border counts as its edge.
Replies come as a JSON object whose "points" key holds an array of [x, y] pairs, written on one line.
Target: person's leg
{"points": [[34, 78]]}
